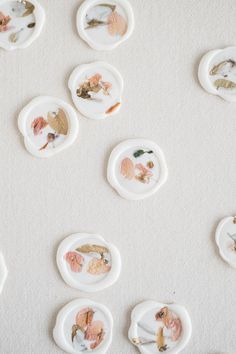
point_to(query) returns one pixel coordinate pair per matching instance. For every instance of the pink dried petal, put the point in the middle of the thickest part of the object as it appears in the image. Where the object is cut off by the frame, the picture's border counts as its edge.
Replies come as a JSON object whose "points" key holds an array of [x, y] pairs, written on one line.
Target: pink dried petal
{"points": [[75, 260], [116, 24], [93, 330], [127, 168], [4, 20], [38, 124], [84, 317], [94, 80], [98, 266]]}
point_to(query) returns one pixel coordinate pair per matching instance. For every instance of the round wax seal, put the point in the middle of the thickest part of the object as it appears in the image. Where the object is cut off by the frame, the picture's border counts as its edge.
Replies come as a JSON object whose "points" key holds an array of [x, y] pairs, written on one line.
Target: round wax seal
{"points": [[96, 89], [3, 272], [217, 73], [20, 23], [49, 125], [104, 25], [88, 263], [157, 327], [226, 240], [83, 326], [137, 169]]}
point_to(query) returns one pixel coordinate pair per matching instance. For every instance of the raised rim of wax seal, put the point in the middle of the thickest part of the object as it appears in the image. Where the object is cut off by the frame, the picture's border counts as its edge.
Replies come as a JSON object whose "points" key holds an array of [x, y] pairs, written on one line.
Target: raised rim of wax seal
{"points": [[40, 17], [3, 272], [72, 121], [61, 338], [232, 238], [113, 160], [81, 14], [100, 271], [141, 309], [205, 69], [72, 84]]}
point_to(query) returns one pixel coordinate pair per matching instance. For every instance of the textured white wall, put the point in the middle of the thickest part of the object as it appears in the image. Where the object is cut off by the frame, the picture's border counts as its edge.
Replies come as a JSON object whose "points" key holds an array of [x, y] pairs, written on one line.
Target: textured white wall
{"points": [[167, 241]]}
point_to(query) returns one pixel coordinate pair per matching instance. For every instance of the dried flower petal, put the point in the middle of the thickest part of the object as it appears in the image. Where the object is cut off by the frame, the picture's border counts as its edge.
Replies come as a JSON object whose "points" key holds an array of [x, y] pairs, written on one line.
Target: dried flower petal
{"points": [[4, 20], [98, 266], [38, 125], [116, 24], [75, 260], [127, 168], [144, 174], [113, 108], [170, 321], [84, 317]]}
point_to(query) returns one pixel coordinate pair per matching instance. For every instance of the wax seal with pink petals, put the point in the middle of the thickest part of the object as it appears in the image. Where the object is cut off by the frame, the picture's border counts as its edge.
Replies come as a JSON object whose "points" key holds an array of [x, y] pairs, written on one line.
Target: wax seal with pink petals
{"points": [[105, 24], [137, 168], [157, 327], [21, 22], [87, 262], [96, 89], [49, 125], [83, 326]]}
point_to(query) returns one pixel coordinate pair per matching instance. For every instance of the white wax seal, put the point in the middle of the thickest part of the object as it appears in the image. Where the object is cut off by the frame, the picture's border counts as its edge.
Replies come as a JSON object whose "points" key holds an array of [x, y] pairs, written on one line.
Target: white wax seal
{"points": [[105, 24], [137, 169], [217, 73], [49, 125], [96, 89], [226, 239], [157, 327], [21, 22], [83, 326], [3, 272], [88, 263]]}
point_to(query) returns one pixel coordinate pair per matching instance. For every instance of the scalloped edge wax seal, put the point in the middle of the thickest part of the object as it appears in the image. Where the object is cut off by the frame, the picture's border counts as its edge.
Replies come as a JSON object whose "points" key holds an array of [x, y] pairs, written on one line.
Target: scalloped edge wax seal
{"points": [[3, 272], [115, 20], [86, 325], [84, 93], [173, 318], [67, 113], [39, 15], [134, 170], [88, 257], [225, 238], [216, 73]]}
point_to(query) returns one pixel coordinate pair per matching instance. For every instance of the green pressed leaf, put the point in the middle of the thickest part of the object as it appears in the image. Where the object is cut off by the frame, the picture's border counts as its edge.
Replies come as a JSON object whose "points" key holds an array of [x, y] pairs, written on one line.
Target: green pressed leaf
{"points": [[216, 69], [112, 7], [223, 83], [141, 152]]}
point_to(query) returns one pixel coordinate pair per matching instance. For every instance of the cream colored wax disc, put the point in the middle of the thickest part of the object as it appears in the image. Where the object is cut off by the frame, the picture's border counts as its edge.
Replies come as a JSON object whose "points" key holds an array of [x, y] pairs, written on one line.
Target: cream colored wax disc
{"points": [[226, 240], [137, 169], [87, 262], [105, 24], [83, 326], [49, 125], [3, 272], [217, 73], [96, 90], [21, 22], [157, 328]]}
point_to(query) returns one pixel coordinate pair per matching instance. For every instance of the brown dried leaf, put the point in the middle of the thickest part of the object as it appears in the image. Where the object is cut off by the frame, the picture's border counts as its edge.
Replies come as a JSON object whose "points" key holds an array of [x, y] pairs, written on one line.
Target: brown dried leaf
{"points": [[160, 338], [29, 8], [92, 249], [58, 122]]}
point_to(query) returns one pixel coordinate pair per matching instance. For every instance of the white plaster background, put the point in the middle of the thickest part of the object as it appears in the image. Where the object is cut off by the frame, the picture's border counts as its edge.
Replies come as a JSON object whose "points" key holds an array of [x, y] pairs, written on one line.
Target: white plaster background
{"points": [[167, 241]]}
